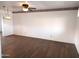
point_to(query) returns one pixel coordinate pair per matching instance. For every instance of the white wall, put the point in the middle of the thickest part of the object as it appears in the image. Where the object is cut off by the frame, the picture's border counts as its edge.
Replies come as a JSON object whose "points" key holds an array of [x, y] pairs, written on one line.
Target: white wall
{"points": [[0, 25], [55, 25], [77, 34], [0, 34]]}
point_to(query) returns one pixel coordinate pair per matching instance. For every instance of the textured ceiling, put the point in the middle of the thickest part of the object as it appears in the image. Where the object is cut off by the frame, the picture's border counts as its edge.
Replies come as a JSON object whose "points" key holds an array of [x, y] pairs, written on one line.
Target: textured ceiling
{"points": [[15, 5]]}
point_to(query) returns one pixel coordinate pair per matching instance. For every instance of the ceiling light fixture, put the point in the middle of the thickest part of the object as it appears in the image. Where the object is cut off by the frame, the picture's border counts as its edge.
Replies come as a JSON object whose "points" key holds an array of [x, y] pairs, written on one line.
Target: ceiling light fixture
{"points": [[25, 9]]}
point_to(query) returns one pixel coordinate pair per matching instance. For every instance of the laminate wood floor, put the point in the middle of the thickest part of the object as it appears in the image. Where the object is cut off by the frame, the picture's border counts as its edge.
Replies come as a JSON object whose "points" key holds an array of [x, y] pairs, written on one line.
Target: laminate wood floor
{"points": [[15, 46]]}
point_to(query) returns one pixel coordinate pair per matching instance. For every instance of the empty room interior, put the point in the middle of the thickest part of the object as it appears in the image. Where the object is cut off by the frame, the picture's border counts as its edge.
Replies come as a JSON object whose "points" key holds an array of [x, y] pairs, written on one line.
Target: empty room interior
{"points": [[39, 29]]}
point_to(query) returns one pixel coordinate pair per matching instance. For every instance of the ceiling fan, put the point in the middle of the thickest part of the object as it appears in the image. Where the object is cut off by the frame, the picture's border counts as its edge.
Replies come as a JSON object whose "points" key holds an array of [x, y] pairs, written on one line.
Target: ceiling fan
{"points": [[25, 8]]}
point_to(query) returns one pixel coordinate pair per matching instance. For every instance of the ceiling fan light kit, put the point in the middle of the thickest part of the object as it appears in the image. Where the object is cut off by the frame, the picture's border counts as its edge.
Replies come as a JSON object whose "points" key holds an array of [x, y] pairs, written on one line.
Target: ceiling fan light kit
{"points": [[25, 7]]}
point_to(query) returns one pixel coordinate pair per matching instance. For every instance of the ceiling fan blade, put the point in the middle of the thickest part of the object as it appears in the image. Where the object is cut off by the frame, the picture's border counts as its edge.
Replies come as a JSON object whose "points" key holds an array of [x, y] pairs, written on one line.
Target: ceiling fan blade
{"points": [[19, 11], [32, 9]]}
